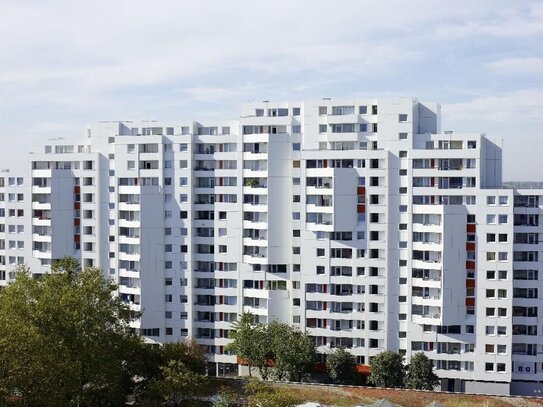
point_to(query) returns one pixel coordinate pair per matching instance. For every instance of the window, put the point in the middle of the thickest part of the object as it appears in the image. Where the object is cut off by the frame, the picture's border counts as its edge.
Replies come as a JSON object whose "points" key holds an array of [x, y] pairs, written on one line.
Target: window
{"points": [[491, 200], [503, 200], [320, 252], [402, 136], [362, 109], [490, 219], [402, 118], [296, 146]]}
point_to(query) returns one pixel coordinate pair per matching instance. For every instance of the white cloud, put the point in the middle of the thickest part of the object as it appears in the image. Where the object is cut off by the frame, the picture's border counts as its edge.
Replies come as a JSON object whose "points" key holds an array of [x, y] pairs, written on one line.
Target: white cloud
{"points": [[531, 65], [497, 19], [523, 105], [73, 62]]}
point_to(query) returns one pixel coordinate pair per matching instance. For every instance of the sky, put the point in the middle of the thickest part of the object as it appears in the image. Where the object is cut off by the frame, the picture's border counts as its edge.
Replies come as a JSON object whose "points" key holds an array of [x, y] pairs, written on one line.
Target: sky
{"points": [[68, 63]]}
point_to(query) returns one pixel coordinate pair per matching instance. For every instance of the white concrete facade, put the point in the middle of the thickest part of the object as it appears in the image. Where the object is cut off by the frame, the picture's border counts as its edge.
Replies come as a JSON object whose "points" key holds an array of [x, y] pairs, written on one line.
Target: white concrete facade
{"points": [[356, 220]]}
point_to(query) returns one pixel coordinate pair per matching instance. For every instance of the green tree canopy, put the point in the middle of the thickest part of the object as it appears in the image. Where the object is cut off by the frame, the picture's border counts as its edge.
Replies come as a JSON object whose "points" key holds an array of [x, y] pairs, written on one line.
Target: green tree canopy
{"points": [[387, 369], [251, 344], [293, 351], [65, 339], [420, 373], [182, 380], [264, 395], [290, 351], [340, 365]]}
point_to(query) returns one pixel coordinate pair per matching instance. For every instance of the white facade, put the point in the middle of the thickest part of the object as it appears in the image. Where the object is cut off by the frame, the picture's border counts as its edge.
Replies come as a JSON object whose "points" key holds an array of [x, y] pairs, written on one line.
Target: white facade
{"points": [[356, 220]]}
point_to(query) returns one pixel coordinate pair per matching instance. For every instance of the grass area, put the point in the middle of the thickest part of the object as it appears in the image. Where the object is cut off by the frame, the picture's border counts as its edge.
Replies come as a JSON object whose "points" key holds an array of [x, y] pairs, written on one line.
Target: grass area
{"points": [[350, 396]]}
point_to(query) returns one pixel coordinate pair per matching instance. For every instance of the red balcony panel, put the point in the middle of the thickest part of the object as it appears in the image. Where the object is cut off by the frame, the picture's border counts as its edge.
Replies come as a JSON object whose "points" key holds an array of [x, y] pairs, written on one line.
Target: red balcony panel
{"points": [[361, 209], [470, 246], [470, 228], [470, 302], [470, 265], [470, 283]]}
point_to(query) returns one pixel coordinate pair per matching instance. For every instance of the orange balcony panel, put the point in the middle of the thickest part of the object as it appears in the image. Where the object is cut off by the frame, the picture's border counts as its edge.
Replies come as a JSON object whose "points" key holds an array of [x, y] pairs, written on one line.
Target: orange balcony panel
{"points": [[470, 228], [470, 265], [77, 205], [77, 222], [361, 209], [470, 246], [77, 189], [77, 238], [470, 302], [470, 283], [361, 190], [363, 369]]}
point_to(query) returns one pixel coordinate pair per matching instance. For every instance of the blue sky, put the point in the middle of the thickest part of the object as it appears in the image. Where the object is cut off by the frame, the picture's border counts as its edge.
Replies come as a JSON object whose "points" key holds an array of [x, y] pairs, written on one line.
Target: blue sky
{"points": [[68, 63]]}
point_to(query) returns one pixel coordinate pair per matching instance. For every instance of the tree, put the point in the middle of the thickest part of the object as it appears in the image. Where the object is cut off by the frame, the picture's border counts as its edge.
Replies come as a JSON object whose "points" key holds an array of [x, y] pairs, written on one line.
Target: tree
{"points": [[263, 395], [228, 397], [182, 379], [340, 365], [251, 344], [420, 373], [289, 350], [65, 339], [293, 351], [387, 369]]}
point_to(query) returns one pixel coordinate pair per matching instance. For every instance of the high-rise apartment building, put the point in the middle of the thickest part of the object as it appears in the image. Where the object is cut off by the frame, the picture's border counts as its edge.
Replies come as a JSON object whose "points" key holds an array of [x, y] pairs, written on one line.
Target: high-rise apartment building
{"points": [[356, 220]]}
